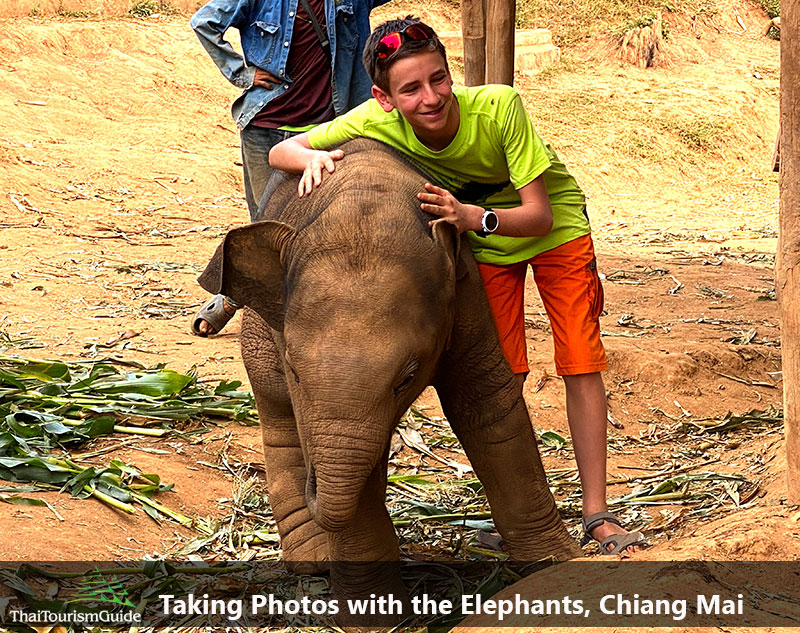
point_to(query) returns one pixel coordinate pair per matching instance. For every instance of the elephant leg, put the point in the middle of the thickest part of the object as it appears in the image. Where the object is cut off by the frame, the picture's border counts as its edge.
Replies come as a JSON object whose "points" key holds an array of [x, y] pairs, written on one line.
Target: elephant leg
{"points": [[366, 554], [483, 402], [302, 540]]}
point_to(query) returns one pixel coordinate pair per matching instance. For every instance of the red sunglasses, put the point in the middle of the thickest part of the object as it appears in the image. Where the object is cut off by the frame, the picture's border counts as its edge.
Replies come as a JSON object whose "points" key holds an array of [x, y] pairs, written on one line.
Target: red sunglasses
{"points": [[391, 43]]}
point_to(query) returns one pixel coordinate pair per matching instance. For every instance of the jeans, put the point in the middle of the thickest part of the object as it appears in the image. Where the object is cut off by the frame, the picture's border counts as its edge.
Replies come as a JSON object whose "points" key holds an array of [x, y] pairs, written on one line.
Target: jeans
{"points": [[256, 143]]}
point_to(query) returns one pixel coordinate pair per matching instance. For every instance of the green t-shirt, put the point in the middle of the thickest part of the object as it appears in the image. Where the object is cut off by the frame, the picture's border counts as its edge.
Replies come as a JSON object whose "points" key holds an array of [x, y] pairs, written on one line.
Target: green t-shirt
{"points": [[495, 152]]}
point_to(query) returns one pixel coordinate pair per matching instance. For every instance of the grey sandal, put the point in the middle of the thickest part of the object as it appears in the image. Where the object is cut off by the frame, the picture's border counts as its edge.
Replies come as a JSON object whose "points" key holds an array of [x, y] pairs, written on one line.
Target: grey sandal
{"points": [[490, 540], [213, 312], [614, 544]]}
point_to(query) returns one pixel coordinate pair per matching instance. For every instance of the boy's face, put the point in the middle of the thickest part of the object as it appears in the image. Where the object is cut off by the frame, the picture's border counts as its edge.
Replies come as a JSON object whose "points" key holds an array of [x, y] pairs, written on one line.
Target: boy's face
{"points": [[421, 89]]}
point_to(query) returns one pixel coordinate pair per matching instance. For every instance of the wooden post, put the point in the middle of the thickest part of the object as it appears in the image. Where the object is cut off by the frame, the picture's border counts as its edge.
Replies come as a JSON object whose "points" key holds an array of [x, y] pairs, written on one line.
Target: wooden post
{"points": [[788, 256], [500, 23], [473, 34]]}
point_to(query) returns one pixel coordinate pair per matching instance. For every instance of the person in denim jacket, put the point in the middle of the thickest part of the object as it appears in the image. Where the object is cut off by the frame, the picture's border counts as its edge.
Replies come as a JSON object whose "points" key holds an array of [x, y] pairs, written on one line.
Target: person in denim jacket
{"points": [[292, 76]]}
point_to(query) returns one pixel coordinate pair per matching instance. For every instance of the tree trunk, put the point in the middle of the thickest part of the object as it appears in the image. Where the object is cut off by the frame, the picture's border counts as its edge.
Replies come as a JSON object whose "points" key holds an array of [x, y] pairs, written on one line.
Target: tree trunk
{"points": [[473, 33], [500, 20], [788, 256]]}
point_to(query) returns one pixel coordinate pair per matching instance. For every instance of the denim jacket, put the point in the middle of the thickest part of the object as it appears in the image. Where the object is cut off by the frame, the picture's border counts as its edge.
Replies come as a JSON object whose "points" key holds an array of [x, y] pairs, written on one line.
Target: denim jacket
{"points": [[266, 27]]}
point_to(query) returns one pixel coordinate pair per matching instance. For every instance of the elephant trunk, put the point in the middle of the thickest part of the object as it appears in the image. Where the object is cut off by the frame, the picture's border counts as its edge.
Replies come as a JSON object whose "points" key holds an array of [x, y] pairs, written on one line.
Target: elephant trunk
{"points": [[336, 479]]}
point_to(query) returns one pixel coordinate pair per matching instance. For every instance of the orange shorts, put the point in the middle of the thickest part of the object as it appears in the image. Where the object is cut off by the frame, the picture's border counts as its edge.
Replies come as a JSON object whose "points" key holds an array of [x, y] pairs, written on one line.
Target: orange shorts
{"points": [[570, 288]]}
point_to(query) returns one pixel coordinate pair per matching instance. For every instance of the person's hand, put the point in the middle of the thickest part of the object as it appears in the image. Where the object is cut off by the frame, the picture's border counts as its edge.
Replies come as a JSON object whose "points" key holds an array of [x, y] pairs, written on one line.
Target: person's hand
{"points": [[265, 79], [465, 217], [319, 163]]}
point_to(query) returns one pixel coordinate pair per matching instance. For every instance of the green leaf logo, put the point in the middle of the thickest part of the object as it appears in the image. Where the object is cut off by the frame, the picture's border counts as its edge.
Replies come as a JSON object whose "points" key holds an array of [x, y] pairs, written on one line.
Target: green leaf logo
{"points": [[95, 587]]}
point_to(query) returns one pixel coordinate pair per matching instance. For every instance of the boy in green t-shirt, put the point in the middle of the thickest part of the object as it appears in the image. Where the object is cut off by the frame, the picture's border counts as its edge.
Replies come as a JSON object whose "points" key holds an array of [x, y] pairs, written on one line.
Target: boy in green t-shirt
{"points": [[518, 205]]}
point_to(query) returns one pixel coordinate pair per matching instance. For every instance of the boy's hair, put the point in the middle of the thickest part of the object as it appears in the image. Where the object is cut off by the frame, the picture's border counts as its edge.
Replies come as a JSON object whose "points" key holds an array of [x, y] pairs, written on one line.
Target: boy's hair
{"points": [[378, 69]]}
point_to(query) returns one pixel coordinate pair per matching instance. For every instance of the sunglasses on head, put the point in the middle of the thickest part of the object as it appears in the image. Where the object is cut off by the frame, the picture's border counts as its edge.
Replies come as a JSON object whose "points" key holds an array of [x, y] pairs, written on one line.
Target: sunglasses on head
{"points": [[391, 43]]}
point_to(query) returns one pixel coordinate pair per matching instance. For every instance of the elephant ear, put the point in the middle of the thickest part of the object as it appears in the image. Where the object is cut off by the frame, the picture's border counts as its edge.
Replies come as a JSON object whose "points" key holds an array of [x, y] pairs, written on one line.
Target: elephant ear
{"points": [[447, 236], [247, 267]]}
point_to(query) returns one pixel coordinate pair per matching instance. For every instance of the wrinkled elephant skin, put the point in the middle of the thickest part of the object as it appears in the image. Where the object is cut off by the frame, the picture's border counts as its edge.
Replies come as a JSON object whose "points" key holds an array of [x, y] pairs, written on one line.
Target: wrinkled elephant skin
{"points": [[356, 305]]}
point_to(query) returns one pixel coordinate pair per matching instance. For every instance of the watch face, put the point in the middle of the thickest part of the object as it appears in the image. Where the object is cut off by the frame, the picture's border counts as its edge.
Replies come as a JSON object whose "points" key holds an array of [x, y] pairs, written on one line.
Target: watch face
{"points": [[490, 221]]}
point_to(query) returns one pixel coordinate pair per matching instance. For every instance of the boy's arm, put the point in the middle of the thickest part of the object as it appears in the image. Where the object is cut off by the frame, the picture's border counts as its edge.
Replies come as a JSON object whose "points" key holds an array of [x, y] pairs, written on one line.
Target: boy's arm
{"points": [[532, 218], [296, 155]]}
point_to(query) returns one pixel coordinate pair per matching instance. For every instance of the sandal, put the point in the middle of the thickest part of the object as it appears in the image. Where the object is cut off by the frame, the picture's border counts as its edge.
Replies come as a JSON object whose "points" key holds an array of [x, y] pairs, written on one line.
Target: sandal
{"points": [[490, 540], [213, 312], [614, 544]]}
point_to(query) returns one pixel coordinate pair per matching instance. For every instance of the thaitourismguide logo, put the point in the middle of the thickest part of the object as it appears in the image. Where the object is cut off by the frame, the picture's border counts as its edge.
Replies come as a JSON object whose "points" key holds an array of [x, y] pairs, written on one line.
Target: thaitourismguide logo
{"points": [[95, 587], [100, 599]]}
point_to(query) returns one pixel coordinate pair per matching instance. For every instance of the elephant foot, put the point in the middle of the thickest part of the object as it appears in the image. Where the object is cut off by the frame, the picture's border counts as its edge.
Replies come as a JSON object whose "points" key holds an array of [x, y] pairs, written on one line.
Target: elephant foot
{"points": [[306, 550], [376, 585], [306, 568], [350, 624], [561, 549]]}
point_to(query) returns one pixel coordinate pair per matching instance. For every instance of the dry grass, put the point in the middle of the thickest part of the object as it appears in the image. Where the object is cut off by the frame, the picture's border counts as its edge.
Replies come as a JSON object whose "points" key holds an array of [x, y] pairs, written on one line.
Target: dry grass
{"points": [[572, 21]]}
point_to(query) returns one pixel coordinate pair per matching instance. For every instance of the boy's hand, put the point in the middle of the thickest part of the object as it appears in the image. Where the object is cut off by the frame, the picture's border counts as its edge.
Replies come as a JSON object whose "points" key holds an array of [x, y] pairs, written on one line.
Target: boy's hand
{"points": [[312, 175], [465, 217]]}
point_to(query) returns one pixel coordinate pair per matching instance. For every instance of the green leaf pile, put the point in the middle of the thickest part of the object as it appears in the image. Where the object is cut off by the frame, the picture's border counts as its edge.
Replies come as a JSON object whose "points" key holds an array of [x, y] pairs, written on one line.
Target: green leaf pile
{"points": [[47, 408]]}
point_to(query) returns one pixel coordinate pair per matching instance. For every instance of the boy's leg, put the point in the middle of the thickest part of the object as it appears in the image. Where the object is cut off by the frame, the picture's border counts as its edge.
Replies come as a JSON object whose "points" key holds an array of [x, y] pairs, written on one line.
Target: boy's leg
{"points": [[587, 415], [572, 294]]}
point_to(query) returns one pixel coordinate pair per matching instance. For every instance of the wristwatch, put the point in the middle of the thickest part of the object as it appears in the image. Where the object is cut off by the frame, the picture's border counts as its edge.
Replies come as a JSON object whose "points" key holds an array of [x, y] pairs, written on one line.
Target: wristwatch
{"points": [[489, 223]]}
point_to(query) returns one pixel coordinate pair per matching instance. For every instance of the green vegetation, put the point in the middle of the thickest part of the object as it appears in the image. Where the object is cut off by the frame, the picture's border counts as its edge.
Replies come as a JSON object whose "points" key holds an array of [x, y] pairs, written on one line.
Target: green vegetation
{"points": [[648, 141], [699, 133], [772, 7], [564, 65], [774, 33], [146, 8], [37, 12], [47, 409], [80, 13], [574, 20], [643, 144], [641, 22], [706, 7]]}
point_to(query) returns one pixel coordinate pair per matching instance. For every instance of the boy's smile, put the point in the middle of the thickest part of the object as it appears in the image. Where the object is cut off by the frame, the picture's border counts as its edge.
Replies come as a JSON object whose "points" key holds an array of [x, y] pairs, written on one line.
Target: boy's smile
{"points": [[421, 89]]}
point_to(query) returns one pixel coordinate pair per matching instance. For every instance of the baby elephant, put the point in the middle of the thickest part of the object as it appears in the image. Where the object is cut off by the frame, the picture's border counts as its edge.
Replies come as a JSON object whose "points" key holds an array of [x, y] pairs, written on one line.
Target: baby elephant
{"points": [[355, 305]]}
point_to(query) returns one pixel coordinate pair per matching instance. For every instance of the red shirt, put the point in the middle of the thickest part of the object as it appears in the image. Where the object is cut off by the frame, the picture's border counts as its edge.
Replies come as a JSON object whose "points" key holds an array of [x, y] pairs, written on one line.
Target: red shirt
{"points": [[308, 99]]}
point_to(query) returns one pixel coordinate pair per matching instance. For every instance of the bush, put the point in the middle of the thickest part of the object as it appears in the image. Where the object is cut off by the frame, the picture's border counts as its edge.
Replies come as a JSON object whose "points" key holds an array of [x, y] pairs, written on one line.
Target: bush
{"points": [[146, 8], [774, 33], [772, 7], [641, 22], [65, 13]]}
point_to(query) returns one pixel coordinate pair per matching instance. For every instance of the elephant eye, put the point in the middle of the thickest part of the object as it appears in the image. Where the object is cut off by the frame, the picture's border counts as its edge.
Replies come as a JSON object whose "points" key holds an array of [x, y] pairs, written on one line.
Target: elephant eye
{"points": [[406, 382]]}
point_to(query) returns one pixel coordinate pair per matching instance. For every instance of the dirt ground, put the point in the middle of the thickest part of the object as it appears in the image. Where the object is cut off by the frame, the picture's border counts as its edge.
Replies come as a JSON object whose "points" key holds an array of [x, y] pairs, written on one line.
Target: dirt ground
{"points": [[120, 173]]}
